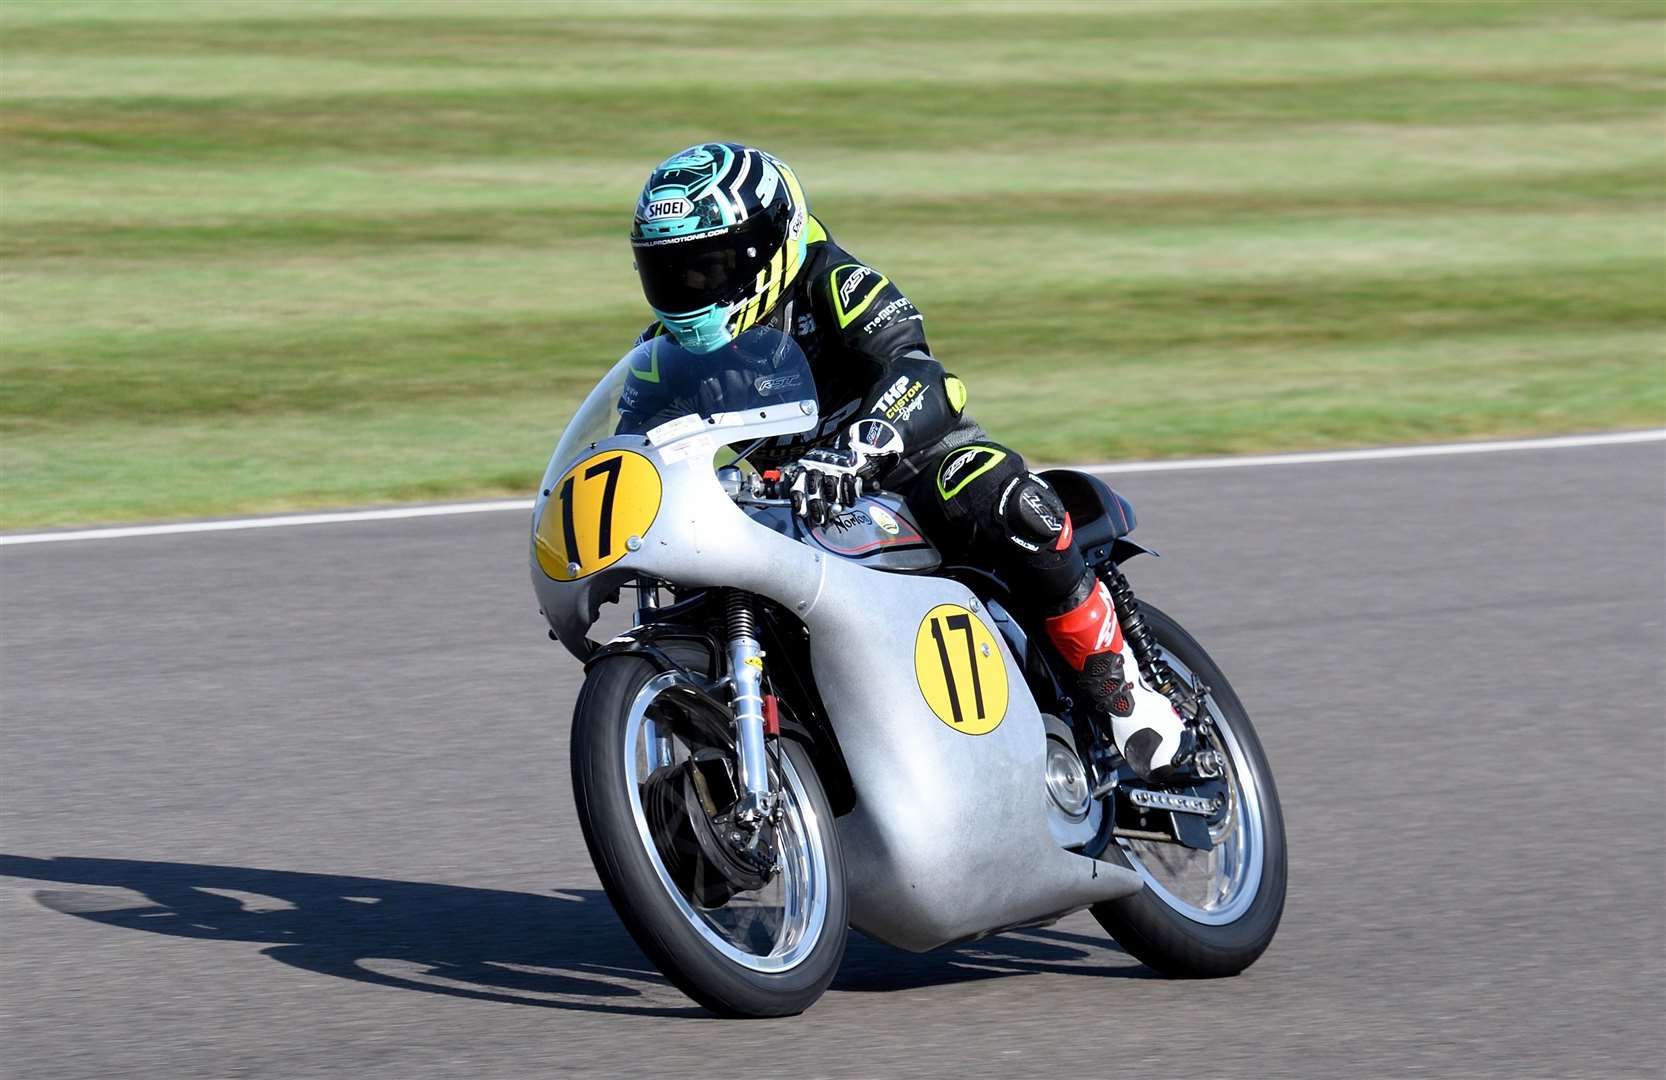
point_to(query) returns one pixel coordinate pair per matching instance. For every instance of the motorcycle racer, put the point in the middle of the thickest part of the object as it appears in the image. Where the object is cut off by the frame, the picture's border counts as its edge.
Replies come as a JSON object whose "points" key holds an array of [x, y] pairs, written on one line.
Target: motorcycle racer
{"points": [[724, 241]]}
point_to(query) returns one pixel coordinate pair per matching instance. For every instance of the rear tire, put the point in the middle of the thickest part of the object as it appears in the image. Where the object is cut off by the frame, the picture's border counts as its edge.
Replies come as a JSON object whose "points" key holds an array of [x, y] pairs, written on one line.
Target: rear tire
{"points": [[642, 897], [1159, 932]]}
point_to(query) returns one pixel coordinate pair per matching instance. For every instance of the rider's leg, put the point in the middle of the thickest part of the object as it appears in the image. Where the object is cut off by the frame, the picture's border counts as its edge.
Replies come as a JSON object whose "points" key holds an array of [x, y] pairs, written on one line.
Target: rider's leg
{"points": [[985, 502]]}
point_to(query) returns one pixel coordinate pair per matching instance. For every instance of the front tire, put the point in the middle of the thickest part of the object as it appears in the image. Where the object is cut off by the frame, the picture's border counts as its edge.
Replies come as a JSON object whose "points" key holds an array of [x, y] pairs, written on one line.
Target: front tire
{"points": [[1225, 924], [730, 974]]}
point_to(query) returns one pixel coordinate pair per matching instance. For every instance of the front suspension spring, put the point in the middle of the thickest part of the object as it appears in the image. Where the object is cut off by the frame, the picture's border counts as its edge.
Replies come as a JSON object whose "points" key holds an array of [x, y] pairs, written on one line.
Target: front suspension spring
{"points": [[742, 623]]}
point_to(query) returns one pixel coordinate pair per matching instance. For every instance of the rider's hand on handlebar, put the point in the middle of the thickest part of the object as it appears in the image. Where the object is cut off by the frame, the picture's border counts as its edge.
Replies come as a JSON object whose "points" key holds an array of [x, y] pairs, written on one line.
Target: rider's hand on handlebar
{"points": [[825, 482], [828, 480]]}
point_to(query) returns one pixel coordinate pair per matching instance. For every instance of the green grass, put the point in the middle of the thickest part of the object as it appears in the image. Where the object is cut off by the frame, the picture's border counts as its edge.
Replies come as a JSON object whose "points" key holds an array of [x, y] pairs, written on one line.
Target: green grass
{"points": [[262, 255]]}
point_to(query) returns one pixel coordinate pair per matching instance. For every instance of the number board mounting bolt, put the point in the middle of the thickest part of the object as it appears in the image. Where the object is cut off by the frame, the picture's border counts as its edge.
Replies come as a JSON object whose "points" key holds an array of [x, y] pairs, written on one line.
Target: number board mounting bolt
{"points": [[985, 648], [573, 568], [633, 543], [806, 408]]}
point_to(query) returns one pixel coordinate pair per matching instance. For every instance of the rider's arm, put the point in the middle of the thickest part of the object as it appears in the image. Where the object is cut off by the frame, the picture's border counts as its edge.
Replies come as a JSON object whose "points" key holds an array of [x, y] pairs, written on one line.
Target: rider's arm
{"points": [[909, 387]]}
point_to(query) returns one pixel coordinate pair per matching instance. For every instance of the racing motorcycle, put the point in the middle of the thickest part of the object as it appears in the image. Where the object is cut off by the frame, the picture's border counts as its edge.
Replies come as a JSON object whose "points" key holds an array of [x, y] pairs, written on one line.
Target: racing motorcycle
{"points": [[816, 722]]}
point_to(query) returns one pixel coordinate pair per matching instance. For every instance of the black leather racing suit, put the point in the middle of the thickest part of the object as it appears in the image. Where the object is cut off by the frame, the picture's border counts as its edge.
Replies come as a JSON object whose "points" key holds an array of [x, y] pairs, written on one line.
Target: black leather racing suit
{"points": [[867, 349]]}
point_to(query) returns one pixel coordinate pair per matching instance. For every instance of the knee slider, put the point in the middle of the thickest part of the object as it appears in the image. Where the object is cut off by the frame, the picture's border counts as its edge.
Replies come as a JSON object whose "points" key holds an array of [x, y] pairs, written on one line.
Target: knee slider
{"points": [[1030, 513]]}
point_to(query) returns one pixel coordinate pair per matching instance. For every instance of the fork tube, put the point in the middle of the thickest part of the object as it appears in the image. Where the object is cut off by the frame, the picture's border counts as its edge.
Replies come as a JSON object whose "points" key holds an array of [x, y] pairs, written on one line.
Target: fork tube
{"points": [[746, 672], [647, 602], [647, 599]]}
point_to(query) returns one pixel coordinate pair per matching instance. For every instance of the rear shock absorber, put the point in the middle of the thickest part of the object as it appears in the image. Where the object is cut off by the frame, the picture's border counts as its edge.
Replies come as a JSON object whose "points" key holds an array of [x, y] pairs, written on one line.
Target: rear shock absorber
{"points": [[1137, 632], [746, 672]]}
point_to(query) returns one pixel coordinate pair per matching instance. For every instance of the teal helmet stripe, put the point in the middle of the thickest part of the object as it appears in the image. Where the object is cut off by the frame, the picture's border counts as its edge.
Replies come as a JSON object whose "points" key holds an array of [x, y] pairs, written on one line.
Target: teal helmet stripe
{"points": [[685, 196], [711, 188]]}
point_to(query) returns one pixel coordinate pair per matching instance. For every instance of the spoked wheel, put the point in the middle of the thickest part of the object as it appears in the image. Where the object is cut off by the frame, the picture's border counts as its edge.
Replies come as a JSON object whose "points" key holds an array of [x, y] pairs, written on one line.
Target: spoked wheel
{"points": [[744, 930], [1205, 914]]}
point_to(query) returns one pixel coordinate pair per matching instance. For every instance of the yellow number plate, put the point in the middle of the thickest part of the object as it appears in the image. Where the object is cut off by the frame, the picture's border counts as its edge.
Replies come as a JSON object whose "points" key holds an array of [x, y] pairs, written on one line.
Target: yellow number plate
{"points": [[594, 511], [961, 673]]}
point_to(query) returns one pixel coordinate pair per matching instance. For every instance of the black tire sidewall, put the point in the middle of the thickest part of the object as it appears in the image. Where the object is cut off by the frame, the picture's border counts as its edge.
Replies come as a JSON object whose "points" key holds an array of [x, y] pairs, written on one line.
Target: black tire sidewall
{"points": [[633, 885], [1148, 928]]}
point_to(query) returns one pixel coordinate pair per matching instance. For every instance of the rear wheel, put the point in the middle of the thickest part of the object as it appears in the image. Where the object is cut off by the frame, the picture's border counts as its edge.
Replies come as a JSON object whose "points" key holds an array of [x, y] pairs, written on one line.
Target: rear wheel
{"points": [[765, 951], [1205, 914]]}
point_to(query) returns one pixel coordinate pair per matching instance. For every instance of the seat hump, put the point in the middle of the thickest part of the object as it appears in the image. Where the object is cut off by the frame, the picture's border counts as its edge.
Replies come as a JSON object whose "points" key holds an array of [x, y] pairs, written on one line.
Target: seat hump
{"points": [[1097, 513]]}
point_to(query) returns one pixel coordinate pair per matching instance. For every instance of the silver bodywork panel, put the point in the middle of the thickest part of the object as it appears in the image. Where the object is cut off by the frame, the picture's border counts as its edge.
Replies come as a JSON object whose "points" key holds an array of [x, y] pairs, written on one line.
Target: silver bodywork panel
{"points": [[949, 838]]}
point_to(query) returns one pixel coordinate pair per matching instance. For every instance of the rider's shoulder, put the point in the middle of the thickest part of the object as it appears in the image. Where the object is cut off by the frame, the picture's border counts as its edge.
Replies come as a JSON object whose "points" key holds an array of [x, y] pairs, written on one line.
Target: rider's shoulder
{"points": [[844, 284]]}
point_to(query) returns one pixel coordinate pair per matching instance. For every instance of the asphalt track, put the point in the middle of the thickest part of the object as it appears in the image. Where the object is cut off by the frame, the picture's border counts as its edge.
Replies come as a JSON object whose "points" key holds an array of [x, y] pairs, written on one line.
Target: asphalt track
{"points": [[294, 802]]}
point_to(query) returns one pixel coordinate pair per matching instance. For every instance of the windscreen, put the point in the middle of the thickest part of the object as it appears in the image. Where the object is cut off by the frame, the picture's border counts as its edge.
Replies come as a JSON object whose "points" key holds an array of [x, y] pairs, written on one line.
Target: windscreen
{"points": [[659, 381], [762, 367]]}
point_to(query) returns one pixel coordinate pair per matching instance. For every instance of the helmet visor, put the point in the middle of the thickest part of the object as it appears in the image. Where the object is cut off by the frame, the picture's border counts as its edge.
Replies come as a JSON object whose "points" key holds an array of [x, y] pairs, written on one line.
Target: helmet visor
{"points": [[684, 274]]}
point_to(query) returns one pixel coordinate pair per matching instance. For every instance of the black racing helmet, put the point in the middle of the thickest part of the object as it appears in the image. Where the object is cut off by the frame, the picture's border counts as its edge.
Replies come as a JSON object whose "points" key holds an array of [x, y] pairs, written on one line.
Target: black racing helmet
{"points": [[719, 233]]}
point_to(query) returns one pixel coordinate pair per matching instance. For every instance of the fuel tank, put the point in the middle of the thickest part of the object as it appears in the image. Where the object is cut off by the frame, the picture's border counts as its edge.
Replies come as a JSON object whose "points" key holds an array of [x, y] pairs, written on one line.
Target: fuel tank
{"points": [[879, 533]]}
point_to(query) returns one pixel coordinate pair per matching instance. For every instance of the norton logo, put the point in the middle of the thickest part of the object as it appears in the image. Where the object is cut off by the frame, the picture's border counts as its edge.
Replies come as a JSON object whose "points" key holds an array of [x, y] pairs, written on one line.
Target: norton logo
{"points": [[667, 208]]}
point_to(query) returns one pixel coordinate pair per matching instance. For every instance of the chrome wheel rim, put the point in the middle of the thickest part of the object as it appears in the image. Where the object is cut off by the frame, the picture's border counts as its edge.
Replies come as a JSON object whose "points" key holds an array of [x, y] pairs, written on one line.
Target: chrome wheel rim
{"points": [[1217, 886], [772, 929]]}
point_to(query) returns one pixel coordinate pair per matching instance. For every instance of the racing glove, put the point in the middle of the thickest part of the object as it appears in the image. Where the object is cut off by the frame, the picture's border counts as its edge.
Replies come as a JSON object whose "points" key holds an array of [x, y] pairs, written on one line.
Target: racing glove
{"points": [[828, 480]]}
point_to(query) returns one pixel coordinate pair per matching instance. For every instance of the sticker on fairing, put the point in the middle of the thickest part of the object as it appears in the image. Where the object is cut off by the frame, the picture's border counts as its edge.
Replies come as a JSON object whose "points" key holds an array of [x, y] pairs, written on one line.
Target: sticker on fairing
{"points": [[672, 430], [960, 669]]}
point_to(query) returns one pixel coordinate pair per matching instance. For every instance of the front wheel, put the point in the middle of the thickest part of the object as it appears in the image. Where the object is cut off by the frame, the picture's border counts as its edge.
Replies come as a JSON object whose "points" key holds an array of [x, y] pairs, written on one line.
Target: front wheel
{"points": [[1206, 914], [768, 951]]}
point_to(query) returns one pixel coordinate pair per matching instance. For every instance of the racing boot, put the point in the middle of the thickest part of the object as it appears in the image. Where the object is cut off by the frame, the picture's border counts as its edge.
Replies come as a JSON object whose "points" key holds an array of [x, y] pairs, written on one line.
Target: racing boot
{"points": [[1151, 735]]}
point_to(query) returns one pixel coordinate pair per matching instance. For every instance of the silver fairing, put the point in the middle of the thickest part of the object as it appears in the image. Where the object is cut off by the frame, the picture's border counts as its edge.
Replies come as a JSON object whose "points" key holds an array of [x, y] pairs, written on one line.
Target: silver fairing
{"points": [[949, 838]]}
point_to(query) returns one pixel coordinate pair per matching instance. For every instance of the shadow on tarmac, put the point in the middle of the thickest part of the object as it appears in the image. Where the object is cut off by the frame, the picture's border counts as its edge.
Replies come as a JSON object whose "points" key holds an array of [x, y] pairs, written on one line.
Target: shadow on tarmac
{"points": [[566, 951]]}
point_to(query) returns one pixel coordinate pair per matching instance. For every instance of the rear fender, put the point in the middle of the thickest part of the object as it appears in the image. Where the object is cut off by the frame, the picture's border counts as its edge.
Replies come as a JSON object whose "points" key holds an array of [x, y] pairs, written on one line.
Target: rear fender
{"points": [[1120, 551]]}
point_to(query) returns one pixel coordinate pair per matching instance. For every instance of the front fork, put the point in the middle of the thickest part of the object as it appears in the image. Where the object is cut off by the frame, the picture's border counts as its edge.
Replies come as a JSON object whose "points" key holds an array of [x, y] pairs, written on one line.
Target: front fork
{"points": [[746, 678], [746, 675]]}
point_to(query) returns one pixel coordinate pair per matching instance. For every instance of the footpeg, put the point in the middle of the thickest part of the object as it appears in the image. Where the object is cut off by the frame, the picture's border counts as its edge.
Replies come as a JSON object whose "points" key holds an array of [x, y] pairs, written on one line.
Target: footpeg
{"points": [[1167, 800], [1182, 817]]}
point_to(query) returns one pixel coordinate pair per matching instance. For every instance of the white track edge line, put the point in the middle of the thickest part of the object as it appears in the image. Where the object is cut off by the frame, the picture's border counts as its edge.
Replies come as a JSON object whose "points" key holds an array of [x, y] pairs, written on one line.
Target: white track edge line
{"points": [[1387, 453], [123, 532], [1384, 453]]}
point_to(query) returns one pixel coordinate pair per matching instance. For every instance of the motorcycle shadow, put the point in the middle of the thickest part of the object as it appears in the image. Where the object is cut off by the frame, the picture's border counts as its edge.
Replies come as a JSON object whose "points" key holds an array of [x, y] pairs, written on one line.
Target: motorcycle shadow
{"points": [[566, 950]]}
